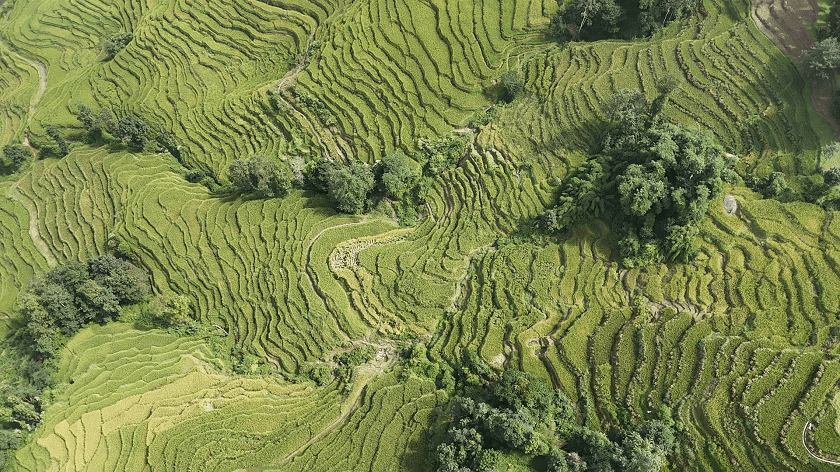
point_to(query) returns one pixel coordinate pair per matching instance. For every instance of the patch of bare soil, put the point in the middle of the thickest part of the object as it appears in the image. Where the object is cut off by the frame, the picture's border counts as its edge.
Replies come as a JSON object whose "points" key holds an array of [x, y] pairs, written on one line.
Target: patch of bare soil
{"points": [[783, 21]]}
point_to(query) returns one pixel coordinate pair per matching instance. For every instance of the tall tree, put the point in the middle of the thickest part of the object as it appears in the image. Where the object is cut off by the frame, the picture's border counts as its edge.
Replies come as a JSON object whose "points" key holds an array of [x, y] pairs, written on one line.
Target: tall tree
{"points": [[823, 60], [349, 186]]}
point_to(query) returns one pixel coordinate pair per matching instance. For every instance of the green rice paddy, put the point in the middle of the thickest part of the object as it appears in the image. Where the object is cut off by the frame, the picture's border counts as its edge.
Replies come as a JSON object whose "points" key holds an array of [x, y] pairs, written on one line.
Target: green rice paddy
{"points": [[739, 343]]}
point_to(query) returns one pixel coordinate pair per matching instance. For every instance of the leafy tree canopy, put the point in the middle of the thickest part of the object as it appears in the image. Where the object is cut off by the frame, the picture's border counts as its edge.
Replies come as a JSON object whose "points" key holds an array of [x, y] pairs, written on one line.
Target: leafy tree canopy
{"points": [[396, 174], [265, 177], [134, 131], [592, 20], [654, 180], [59, 303], [13, 157], [823, 60], [523, 414], [350, 185]]}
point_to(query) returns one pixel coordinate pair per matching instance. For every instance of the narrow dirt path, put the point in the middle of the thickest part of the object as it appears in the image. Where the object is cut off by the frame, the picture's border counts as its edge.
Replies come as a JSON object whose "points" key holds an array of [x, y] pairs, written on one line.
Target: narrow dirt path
{"points": [[783, 21], [36, 99], [42, 86], [827, 461], [290, 76], [14, 192]]}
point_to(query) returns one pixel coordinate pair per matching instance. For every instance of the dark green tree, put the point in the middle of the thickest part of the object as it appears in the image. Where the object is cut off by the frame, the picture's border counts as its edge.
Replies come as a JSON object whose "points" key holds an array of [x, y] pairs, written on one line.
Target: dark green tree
{"points": [[831, 176], [127, 282], [63, 149], [588, 20], [823, 60], [13, 157], [774, 185], [108, 121], [396, 174], [833, 22], [317, 174], [653, 180], [260, 175], [90, 122], [511, 84], [134, 131], [115, 44], [349, 186]]}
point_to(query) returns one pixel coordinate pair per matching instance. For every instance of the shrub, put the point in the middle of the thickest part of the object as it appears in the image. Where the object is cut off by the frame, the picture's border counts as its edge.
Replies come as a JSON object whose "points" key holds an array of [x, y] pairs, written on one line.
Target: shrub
{"points": [[511, 83], [13, 158], [115, 44], [168, 310], [831, 176], [260, 175], [349, 187], [442, 153]]}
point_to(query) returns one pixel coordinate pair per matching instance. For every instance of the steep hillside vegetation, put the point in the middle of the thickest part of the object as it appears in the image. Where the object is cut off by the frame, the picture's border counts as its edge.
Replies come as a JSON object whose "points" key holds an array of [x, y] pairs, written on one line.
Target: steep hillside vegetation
{"points": [[740, 344]]}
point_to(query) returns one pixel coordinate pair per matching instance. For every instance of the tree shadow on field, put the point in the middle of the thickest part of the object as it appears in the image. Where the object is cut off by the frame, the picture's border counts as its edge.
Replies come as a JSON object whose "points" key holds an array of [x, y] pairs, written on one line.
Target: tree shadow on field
{"points": [[733, 12]]}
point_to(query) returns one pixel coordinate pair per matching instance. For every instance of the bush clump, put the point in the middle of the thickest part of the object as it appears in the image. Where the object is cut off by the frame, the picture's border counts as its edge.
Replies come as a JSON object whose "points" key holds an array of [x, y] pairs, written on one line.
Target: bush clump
{"points": [[14, 156], [522, 414], [264, 177], [653, 180], [115, 44]]}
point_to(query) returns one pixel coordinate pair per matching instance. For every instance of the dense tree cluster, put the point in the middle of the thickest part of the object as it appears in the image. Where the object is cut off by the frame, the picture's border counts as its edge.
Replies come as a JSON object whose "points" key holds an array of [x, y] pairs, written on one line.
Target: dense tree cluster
{"points": [[266, 178], [128, 129], [653, 180], [58, 304], [356, 186], [591, 20], [115, 44], [52, 308], [521, 413], [13, 158]]}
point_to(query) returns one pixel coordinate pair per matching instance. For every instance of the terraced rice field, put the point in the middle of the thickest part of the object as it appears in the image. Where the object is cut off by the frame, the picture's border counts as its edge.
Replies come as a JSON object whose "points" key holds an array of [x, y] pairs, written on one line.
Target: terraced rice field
{"points": [[737, 343], [141, 398]]}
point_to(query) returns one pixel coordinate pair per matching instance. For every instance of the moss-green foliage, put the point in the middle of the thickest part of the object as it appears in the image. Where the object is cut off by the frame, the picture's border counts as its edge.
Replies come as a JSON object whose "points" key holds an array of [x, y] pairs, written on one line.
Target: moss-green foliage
{"points": [[13, 158], [264, 177], [654, 182], [524, 414], [290, 280]]}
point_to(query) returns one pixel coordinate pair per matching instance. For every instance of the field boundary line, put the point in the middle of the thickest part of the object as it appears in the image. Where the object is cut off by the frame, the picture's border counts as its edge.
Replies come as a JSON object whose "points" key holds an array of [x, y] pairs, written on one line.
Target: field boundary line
{"points": [[36, 99], [34, 232]]}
